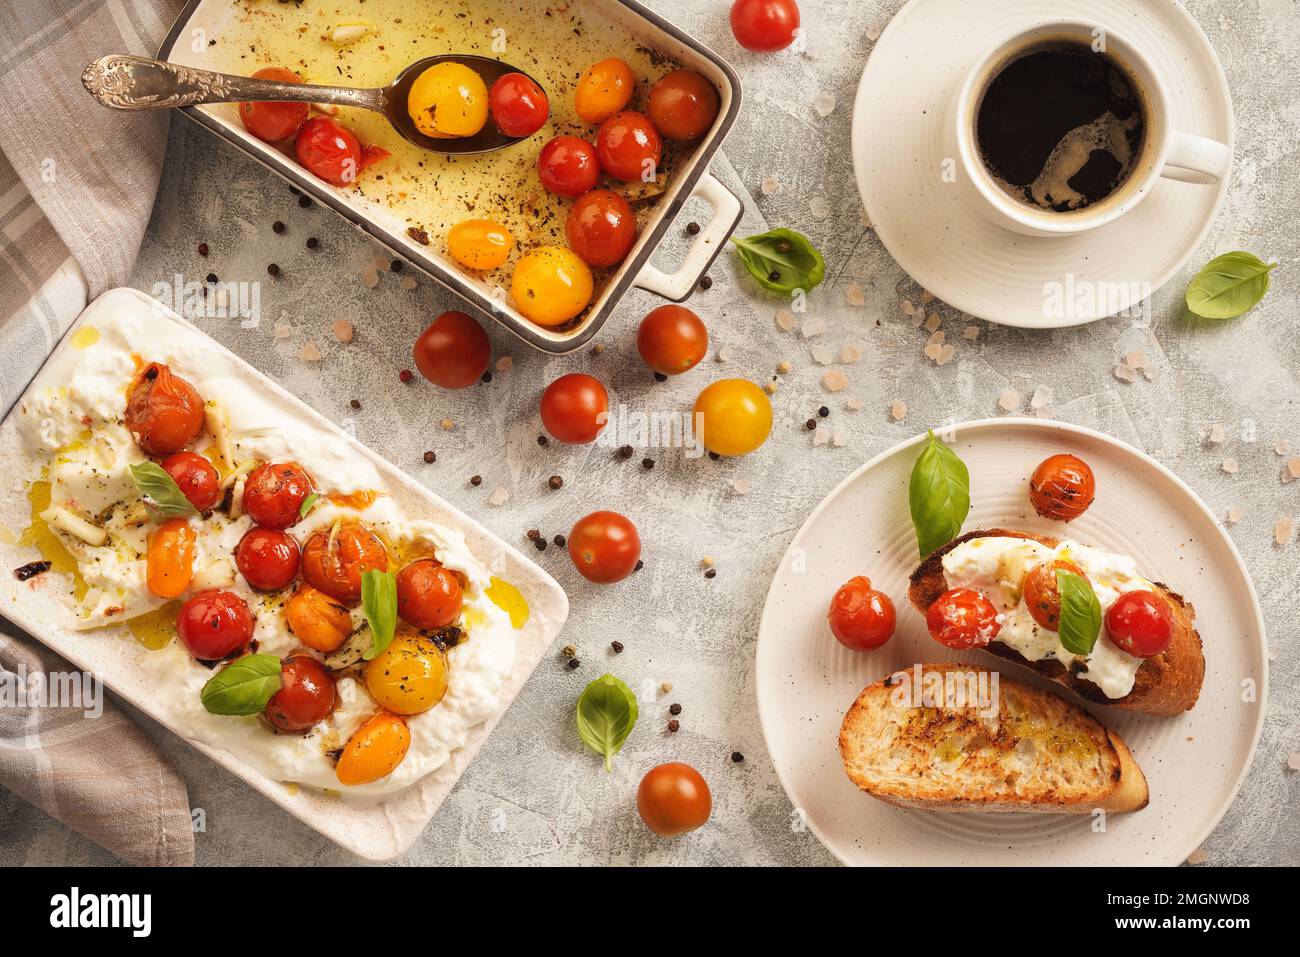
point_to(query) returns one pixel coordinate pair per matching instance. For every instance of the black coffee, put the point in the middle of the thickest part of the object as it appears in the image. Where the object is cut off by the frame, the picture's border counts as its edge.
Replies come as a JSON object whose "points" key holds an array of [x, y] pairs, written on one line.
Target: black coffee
{"points": [[1061, 127]]}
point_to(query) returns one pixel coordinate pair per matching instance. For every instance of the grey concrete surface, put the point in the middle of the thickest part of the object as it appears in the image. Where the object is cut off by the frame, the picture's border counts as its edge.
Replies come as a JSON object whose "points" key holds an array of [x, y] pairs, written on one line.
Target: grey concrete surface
{"points": [[534, 795]]}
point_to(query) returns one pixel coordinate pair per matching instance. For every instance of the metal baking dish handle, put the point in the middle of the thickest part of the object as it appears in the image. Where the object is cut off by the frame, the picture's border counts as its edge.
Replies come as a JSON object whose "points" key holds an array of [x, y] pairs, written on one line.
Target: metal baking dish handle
{"points": [[727, 210]]}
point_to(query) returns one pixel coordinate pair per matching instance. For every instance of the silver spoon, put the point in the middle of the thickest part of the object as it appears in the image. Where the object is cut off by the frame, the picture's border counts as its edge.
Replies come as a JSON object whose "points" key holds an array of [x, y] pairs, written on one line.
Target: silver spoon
{"points": [[126, 82]]}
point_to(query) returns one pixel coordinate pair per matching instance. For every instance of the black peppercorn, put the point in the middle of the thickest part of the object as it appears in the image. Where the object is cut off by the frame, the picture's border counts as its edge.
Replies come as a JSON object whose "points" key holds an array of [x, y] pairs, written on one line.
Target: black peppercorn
{"points": [[312, 242], [711, 573], [625, 452], [273, 269], [212, 277], [706, 283], [823, 412], [476, 480], [540, 544], [692, 228], [674, 708], [487, 376], [203, 249], [555, 481], [660, 377], [355, 403], [278, 226], [648, 463], [397, 265], [559, 540], [674, 725], [811, 424], [533, 534], [774, 276], [715, 456], [572, 663], [617, 646], [737, 757], [430, 457], [639, 565], [543, 440], [304, 202]]}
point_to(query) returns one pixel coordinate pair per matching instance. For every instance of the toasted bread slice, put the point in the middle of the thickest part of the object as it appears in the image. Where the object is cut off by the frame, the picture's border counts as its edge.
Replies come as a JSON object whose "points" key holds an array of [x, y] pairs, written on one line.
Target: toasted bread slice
{"points": [[1166, 684], [1038, 752]]}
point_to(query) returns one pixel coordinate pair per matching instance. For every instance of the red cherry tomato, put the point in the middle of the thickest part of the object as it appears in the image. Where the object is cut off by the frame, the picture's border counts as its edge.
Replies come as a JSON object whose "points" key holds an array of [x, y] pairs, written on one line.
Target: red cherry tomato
{"points": [[428, 595], [329, 150], [196, 477], [306, 696], [1062, 487], [629, 147], [274, 493], [683, 105], [164, 412], [672, 339], [604, 546], [601, 228], [575, 408], [962, 618], [274, 121], [861, 618], [1042, 596], [268, 558], [214, 624], [673, 799], [764, 25], [1140, 623], [567, 166], [454, 351], [333, 560], [519, 106]]}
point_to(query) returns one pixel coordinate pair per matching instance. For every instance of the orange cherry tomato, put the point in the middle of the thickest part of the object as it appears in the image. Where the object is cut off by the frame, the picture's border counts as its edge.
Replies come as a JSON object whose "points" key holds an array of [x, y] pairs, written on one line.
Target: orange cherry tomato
{"points": [[333, 560], [479, 243], [601, 228], [673, 799], [1062, 487], [575, 408], [672, 339], [1042, 596], [268, 558], [374, 750], [603, 90], [306, 697], [214, 624], [604, 547], [454, 351], [196, 477], [683, 105], [163, 412], [629, 147], [962, 618], [861, 617], [274, 493], [317, 620], [274, 122], [169, 560], [428, 595]]}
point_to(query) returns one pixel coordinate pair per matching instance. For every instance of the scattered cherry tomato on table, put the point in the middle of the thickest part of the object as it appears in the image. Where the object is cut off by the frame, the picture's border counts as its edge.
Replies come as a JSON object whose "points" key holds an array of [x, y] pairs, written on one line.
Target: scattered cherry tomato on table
{"points": [[274, 122], [274, 493], [196, 477], [428, 595], [479, 243], [1042, 594], [214, 624], [673, 798], [764, 25], [603, 90], [268, 558], [551, 285], [454, 351], [683, 105], [518, 105], [306, 697], [568, 166], [672, 339], [575, 408], [604, 547], [169, 558], [629, 147], [601, 228], [861, 617], [1140, 623], [374, 750], [1062, 487], [733, 416], [333, 560], [962, 618], [320, 622], [164, 412]]}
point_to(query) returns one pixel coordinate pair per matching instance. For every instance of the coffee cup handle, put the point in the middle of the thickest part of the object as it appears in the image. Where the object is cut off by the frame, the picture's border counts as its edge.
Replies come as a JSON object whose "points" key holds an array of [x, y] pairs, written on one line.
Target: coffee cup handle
{"points": [[1196, 159]]}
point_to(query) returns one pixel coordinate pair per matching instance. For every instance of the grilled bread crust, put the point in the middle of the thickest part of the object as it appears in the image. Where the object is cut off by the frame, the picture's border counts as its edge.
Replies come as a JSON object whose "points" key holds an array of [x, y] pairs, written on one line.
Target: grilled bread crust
{"points": [[1039, 754], [1165, 685]]}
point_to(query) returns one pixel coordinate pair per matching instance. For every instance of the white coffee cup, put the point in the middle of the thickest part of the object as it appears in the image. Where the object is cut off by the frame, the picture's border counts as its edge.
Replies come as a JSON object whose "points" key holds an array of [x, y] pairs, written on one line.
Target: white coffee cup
{"points": [[1164, 152]]}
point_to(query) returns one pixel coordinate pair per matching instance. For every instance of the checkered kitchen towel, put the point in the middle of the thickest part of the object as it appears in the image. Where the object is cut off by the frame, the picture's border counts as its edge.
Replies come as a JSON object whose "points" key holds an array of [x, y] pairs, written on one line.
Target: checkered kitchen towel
{"points": [[77, 184]]}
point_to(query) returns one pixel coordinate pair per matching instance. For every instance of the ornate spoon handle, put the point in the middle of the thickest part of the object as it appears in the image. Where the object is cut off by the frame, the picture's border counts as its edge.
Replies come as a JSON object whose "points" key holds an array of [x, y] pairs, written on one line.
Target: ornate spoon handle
{"points": [[126, 82]]}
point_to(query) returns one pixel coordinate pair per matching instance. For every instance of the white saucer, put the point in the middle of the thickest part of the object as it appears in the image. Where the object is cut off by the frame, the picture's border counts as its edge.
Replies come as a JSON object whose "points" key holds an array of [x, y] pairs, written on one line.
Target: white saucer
{"points": [[806, 680], [966, 260]]}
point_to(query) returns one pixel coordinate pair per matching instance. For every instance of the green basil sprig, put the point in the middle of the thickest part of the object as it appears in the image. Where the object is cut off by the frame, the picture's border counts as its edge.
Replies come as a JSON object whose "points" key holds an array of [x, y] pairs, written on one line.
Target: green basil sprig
{"points": [[308, 504], [781, 260], [1229, 285], [607, 710], [1080, 613], [242, 687], [938, 495], [162, 496], [379, 602]]}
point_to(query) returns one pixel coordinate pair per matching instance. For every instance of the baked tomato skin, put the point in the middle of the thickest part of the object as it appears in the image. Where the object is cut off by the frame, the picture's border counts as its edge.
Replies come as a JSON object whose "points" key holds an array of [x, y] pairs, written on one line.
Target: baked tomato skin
{"points": [[568, 166], [274, 122], [329, 150], [962, 618], [1042, 593], [164, 412], [683, 105], [764, 26], [214, 624], [268, 558], [196, 477], [333, 560], [1062, 487], [429, 595], [861, 618], [306, 697], [274, 493], [1140, 623]]}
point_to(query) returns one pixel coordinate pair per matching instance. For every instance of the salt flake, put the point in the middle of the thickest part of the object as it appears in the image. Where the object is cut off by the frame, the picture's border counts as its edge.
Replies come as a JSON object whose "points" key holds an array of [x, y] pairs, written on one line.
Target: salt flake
{"points": [[1216, 434], [741, 486], [1293, 760], [971, 332], [505, 364], [1042, 398], [1230, 465], [812, 327], [824, 103], [784, 320], [850, 354], [834, 380], [839, 438], [1283, 529], [819, 207], [1009, 400], [1124, 373], [343, 330], [310, 352], [855, 296], [769, 185], [1234, 515], [499, 496], [898, 410], [822, 355], [1197, 856]]}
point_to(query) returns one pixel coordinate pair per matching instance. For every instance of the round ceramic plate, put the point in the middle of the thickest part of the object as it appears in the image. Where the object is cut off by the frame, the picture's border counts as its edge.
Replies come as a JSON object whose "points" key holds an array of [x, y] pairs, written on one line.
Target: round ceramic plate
{"points": [[962, 257], [806, 680]]}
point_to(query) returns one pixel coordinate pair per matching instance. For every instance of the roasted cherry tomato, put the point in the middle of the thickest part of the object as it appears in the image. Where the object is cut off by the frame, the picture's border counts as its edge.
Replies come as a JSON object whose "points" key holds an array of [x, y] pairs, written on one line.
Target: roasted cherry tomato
{"points": [[268, 558], [163, 412], [764, 25], [428, 595], [214, 624], [1141, 623], [1062, 487], [628, 147], [409, 676], [306, 696], [518, 105], [575, 408], [169, 558], [603, 90], [861, 618], [196, 477], [274, 493], [448, 100], [672, 339], [274, 122], [374, 750], [734, 417], [683, 105], [673, 799], [605, 547], [320, 622], [551, 285], [334, 559], [963, 618], [567, 166], [479, 243], [329, 150], [601, 228], [1042, 596], [454, 351]]}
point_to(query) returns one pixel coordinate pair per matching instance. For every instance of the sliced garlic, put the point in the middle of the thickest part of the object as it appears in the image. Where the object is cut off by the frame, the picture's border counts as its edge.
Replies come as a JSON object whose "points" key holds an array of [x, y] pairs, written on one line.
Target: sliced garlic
{"points": [[218, 574], [76, 526], [350, 32], [237, 497], [218, 423]]}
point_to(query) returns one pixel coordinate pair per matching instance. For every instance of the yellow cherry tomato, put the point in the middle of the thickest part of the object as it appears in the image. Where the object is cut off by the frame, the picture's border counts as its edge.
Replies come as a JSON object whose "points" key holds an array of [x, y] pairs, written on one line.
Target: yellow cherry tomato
{"points": [[551, 285], [409, 676], [733, 417], [447, 100], [604, 89], [479, 243], [374, 750]]}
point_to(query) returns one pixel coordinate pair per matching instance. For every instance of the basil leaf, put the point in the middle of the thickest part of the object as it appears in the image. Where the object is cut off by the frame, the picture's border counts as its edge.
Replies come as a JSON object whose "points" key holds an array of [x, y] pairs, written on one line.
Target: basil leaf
{"points": [[1080, 613], [160, 492], [784, 254], [1229, 285], [607, 710], [308, 504], [242, 687], [379, 602], [939, 495]]}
